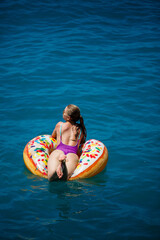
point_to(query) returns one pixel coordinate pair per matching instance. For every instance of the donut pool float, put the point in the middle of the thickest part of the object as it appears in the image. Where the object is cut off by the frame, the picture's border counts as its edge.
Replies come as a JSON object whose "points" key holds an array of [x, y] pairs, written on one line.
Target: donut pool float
{"points": [[92, 161]]}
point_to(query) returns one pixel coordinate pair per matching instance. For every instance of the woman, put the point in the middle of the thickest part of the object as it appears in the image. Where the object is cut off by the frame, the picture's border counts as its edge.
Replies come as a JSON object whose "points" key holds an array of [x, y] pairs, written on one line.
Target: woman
{"points": [[63, 161]]}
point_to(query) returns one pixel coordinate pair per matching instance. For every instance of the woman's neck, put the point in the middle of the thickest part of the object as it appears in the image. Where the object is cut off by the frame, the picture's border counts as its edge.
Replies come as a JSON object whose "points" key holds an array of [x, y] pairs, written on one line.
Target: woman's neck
{"points": [[71, 122]]}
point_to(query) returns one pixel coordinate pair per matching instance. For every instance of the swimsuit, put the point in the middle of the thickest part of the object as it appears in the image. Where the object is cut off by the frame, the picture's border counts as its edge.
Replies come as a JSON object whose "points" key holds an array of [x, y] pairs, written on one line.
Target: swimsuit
{"points": [[67, 148]]}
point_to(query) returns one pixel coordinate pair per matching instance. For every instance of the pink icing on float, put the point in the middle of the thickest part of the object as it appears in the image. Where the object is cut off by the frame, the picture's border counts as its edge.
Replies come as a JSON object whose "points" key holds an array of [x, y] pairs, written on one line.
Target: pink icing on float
{"points": [[93, 159]]}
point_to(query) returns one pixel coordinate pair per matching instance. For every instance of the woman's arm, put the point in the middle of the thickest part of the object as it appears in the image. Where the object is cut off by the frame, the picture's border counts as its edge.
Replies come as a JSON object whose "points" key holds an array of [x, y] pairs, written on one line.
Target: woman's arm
{"points": [[54, 133]]}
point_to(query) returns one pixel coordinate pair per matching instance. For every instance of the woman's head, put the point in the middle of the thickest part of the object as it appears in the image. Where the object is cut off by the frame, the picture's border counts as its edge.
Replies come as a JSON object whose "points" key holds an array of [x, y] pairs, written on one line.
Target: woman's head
{"points": [[72, 114]]}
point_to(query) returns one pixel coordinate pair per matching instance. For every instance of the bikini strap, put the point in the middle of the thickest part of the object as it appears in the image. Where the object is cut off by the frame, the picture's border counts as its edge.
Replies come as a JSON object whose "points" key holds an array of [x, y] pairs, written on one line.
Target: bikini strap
{"points": [[80, 134], [61, 132]]}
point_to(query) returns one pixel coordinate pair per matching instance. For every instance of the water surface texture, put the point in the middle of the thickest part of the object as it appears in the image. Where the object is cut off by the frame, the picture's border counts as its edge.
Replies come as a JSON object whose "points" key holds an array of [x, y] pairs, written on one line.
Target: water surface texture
{"points": [[104, 57]]}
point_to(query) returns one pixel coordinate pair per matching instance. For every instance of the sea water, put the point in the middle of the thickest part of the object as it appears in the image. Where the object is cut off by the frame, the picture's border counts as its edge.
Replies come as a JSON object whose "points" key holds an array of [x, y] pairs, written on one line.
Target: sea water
{"points": [[104, 57]]}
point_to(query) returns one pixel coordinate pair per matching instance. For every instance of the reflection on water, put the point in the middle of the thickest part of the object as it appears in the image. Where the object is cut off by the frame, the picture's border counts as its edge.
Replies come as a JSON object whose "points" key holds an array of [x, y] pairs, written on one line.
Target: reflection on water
{"points": [[74, 197], [67, 199]]}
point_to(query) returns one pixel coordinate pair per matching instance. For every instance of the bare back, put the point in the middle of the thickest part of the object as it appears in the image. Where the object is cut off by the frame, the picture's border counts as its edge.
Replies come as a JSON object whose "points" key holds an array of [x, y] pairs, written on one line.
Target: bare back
{"points": [[69, 133]]}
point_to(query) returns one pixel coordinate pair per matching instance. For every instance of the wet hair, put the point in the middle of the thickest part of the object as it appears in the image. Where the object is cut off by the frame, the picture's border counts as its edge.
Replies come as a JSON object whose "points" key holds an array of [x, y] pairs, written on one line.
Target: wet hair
{"points": [[74, 112]]}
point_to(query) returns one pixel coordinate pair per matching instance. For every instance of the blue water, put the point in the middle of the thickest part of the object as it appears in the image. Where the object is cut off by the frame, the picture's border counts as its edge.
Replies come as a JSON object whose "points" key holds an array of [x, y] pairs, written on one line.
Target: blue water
{"points": [[103, 56]]}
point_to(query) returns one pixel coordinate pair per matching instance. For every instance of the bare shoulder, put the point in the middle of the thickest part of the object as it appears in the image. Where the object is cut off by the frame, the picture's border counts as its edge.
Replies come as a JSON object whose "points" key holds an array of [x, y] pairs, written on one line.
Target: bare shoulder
{"points": [[66, 126], [58, 125], [56, 129]]}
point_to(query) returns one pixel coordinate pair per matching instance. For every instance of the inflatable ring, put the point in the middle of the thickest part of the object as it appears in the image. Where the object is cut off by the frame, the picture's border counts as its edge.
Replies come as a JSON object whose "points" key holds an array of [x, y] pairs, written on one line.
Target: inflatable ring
{"points": [[92, 161]]}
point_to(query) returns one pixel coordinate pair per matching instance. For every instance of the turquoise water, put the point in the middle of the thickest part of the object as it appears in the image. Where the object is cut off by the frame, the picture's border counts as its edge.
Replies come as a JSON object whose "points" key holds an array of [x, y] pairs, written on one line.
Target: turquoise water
{"points": [[104, 57]]}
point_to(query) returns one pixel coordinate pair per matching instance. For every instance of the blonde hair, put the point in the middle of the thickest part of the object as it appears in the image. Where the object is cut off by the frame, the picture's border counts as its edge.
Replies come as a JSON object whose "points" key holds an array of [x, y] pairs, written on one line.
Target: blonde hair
{"points": [[74, 112]]}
